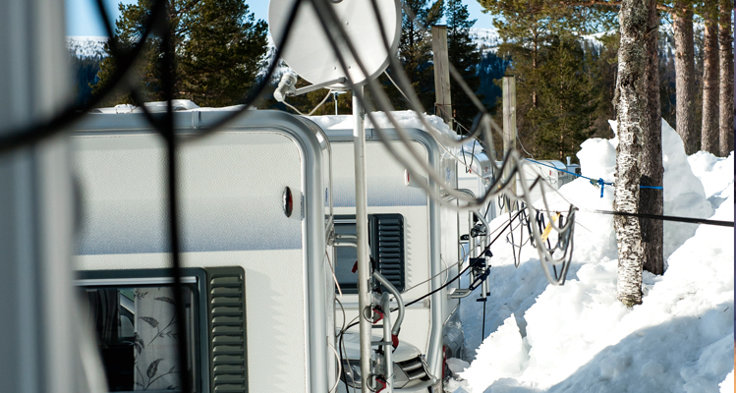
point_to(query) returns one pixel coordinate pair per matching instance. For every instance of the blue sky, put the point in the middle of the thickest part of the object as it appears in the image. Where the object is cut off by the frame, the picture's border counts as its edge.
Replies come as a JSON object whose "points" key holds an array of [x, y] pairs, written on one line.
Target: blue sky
{"points": [[82, 18]]}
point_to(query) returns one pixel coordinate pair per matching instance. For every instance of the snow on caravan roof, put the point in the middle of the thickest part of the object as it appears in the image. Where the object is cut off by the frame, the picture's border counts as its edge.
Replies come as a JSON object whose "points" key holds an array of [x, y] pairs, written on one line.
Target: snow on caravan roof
{"points": [[407, 119], [179, 105], [155, 106]]}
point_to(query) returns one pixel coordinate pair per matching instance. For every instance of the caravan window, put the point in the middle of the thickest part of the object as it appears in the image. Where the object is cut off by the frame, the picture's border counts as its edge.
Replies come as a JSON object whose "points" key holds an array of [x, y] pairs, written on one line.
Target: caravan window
{"points": [[386, 239], [135, 322]]}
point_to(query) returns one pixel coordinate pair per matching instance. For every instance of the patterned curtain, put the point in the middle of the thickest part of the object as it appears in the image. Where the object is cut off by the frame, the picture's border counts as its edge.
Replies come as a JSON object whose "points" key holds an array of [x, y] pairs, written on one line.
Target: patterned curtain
{"points": [[155, 341]]}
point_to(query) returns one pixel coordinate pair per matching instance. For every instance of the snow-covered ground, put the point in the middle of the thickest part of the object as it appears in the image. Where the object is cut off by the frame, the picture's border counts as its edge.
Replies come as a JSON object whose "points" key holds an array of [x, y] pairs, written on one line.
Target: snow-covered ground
{"points": [[578, 337]]}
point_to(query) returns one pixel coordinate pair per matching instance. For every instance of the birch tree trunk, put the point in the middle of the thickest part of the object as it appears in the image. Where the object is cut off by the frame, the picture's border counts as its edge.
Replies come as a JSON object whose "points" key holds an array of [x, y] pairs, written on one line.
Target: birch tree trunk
{"points": [[709, 132], [632, 120], [725, 66], [651, 200], [685, 73]]}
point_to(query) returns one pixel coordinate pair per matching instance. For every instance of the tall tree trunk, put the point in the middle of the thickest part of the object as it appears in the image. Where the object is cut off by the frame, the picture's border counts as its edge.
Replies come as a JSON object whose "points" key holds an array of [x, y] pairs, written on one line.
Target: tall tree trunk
{"points": [[651, 200], [632, 120], [685, 74], [725, 66], [709, 133], [535, 48]]}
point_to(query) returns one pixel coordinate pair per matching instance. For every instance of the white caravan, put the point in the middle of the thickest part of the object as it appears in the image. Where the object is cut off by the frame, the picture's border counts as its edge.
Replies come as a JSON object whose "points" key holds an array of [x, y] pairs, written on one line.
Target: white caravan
{"points": [[414, 244], [259, 291]]}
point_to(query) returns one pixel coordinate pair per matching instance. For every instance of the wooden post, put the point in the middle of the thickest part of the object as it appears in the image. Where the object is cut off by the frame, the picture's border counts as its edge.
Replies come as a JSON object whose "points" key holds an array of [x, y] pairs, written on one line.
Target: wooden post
{"points": [[509, 123], [443, 100]]}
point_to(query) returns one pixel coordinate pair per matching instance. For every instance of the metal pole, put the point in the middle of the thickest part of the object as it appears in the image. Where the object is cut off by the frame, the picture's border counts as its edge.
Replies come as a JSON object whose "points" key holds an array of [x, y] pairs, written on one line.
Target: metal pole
{"points": [[361, 224], [509, 125], [387, 347]]}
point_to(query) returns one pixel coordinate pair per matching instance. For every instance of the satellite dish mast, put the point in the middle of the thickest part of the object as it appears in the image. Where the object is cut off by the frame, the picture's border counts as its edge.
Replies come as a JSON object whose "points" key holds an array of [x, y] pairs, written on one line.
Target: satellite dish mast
{"points": [[311, 55]]}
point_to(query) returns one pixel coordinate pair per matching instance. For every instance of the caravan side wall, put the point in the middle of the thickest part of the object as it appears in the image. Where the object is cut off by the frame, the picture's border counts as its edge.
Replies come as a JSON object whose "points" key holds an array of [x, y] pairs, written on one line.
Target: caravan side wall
{"points": [[232, 214], [426, 252]]}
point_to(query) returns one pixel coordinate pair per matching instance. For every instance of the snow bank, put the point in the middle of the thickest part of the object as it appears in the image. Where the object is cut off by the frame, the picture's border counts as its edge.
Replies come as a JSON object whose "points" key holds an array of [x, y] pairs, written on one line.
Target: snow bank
{"points": [[683, 191], [578, 337], [710, 169]]}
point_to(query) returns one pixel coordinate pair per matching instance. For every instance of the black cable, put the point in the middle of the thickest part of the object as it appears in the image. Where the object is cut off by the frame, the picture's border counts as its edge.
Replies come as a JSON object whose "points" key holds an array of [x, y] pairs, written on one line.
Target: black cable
{"points": [[341, 346], [472, 155], [483, 329], [47, 128], [691, 220], [341, 343], [437, 289], [56, 124], [463, 271], [168, 78]]}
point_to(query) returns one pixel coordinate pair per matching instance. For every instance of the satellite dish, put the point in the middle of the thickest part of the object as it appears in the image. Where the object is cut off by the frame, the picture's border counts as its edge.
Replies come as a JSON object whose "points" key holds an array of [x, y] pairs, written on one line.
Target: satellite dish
{"points": [[309, 53]]}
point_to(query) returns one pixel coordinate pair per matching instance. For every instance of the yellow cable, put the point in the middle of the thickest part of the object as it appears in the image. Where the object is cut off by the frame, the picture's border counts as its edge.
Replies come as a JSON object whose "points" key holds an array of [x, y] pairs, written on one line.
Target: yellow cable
{"points": [[548, 229]]}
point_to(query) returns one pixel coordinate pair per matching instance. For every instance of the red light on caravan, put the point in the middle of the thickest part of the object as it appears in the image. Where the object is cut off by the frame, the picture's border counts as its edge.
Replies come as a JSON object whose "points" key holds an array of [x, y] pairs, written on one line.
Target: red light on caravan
{"points": [[410, 180]]}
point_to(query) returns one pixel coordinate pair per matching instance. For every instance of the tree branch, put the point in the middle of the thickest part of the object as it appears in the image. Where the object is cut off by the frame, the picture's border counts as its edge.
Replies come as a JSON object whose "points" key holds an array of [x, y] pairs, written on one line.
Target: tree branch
{"points": [[604, 3]]}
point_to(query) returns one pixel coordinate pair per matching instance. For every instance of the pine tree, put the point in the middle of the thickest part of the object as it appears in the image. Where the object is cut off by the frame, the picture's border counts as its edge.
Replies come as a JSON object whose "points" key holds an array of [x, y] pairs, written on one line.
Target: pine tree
{"points": [[465, 56], [709, 133], [564, 113], [224, 52], [533, 33], [603, 79], [725, 79], [490, 69], [682, 15], [220, 49], [651, 200], [668, 82], [415, 50]]}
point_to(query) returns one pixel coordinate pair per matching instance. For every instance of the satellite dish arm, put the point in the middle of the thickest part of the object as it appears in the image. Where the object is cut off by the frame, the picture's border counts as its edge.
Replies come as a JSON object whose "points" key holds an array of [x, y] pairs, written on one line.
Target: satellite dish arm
{"points": [[287, 86]]}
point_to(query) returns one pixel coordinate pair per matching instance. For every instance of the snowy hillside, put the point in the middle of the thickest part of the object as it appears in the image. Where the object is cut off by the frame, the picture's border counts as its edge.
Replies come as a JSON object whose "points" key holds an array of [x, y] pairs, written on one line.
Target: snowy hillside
{"points": [[485, 38], [87, 46], [578, 337]]}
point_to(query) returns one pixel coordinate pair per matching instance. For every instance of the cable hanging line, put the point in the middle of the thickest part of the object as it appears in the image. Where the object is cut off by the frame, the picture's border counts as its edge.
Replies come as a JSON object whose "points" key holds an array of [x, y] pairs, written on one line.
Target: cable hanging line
{"points": [[600, 182], [690, 220]]}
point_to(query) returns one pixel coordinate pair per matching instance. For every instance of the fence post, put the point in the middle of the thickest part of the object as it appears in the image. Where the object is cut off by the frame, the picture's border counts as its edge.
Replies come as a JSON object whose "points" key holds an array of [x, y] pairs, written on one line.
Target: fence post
{"points": [[509, 123], [443, 99]]}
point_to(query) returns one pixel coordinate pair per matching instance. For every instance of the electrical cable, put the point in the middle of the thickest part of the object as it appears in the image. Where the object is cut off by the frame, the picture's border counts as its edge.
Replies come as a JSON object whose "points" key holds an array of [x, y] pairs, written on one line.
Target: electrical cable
{"points": [[486, 248], [339, 346], [432, 292], [57, 123], [295, 109], [329, 92], [380, 95], [168, 79], [333, 389], [690, 220], [165, 127], [334, 276], [449, 267], [168, 130]]}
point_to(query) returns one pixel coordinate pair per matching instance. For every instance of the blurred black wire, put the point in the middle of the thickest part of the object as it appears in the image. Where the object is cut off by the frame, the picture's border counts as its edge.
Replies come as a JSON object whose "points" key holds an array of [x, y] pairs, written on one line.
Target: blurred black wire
{"points": [[56, 124]]}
